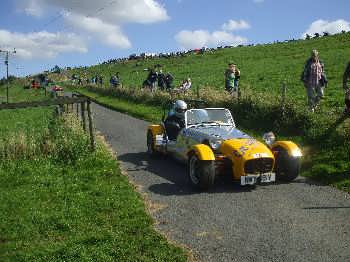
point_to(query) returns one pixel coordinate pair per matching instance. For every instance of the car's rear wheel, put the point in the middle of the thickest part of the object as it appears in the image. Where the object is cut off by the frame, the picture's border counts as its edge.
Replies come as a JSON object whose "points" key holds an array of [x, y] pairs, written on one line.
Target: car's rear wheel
{"points": [[287, 167], [201, 173], [150, 144]]}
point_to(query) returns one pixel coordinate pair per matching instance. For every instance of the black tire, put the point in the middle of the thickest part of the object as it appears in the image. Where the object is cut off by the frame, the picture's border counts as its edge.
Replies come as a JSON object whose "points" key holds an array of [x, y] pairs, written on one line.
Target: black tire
{"points": [[201, 173], [287, 167], [150, 144]]}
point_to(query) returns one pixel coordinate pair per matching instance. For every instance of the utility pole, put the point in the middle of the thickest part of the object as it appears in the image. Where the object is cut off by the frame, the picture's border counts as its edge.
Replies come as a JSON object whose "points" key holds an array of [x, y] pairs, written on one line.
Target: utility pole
{"points": [[7, 71]]}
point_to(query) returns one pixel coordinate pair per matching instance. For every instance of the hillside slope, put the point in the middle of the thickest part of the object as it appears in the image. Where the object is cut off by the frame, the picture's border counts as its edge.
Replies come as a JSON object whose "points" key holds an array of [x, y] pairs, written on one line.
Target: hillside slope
{"points": [[263, 67]]}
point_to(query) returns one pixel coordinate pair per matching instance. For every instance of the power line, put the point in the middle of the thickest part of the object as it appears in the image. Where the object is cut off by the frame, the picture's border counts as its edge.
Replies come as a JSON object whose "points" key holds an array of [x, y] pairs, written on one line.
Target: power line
{"points": [[97, 11]]}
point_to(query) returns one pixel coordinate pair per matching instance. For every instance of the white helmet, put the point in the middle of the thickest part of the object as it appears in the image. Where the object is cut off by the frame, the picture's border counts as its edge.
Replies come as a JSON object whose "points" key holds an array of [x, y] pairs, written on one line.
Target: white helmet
{"points": [[180, 108]]}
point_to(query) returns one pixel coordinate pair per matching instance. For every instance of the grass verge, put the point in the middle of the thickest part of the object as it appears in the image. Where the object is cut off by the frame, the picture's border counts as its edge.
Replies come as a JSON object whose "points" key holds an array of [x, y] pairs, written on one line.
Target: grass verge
{"points": [[61, 202]]}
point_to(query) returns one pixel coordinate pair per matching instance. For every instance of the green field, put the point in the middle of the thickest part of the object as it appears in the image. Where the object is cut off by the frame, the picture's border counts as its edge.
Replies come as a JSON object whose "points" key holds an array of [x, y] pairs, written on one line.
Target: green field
{"points": [[324, 135], [263, 68], [61, 202]]}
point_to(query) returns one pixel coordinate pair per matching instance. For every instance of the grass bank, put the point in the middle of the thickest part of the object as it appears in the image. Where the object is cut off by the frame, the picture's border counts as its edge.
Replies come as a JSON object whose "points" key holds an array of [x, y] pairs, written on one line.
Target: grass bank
{"points": [[61, 202]]}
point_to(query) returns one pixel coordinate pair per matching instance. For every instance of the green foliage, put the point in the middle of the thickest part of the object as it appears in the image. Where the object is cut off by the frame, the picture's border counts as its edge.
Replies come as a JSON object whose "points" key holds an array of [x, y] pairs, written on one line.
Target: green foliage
{"points": [[61, 202]]}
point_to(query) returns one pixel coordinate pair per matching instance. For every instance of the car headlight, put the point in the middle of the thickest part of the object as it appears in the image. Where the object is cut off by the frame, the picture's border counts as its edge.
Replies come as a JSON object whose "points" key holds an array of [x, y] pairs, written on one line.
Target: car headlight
{"points": [[215, 144], [296, 152]]}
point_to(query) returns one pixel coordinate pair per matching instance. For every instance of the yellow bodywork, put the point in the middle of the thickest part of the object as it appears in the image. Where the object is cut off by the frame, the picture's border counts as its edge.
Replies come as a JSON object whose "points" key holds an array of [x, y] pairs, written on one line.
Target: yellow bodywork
{"points": [[203, 152], [241, 150], [291, 148], [156, 130]]}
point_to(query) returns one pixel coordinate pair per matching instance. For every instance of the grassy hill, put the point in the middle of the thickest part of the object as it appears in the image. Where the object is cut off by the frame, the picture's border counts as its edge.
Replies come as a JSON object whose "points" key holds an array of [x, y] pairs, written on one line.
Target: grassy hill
{"points": [[263, 67]]}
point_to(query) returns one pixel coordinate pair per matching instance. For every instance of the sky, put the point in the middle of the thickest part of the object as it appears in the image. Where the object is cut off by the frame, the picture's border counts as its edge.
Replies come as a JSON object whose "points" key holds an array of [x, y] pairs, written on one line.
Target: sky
{"points": [[73, 33]]}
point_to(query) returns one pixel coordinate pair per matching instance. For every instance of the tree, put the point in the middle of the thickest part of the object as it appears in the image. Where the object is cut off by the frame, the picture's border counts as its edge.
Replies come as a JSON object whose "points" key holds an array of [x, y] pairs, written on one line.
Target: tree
{"points": [[56, 69], [308, 37], [316, 35]]}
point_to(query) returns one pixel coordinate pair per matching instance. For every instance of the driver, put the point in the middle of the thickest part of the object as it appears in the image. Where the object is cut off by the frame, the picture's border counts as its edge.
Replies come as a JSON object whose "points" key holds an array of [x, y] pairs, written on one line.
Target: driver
{"points": [[176, 121]]}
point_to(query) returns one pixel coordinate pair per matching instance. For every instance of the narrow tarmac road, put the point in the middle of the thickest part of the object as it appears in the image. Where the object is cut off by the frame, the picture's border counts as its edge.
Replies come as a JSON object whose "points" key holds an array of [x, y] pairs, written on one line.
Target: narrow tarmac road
{"points": [[299, 221]]}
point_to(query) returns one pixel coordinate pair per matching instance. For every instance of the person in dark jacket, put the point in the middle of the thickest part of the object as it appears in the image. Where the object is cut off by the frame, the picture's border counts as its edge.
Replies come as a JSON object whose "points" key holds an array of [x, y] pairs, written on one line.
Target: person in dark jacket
{"points": [[161, 80], [152, 79], [176, 120], [169, 81]]}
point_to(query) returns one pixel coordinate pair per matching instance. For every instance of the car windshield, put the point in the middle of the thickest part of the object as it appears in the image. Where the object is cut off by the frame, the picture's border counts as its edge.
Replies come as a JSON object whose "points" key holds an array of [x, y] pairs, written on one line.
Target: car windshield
{"points": [[209, 116]]}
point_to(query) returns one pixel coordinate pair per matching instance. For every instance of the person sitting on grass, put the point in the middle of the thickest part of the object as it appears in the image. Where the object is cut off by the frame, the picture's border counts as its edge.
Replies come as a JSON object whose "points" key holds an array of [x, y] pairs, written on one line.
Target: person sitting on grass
{"points": [[184, 87]]}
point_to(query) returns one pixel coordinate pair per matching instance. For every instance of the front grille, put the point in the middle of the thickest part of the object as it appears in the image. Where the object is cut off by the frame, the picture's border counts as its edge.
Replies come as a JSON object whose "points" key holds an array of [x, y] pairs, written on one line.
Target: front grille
{"points": [[258, 166]]}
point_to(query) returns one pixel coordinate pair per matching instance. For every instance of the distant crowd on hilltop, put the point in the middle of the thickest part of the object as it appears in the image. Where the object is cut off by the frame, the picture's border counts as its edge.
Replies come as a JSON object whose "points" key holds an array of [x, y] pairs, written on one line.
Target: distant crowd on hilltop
{"points": [[203, 50]]}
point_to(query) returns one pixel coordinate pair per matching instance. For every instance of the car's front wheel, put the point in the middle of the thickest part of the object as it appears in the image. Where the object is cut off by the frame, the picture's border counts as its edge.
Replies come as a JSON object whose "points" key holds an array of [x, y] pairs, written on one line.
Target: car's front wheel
{"points": [[287, 167], [201, 173]]}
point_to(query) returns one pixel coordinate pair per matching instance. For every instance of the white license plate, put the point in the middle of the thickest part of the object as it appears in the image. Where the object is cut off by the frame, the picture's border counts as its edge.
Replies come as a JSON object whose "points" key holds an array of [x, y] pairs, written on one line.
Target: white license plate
{"points": [[267, 177], [249, 180]]}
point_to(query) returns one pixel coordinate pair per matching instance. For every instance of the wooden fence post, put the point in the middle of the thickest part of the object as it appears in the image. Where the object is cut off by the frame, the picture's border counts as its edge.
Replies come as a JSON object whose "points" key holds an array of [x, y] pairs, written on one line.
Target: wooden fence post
{"points": [[283, 102], [77, 105], [91, 128], [82, 106]]}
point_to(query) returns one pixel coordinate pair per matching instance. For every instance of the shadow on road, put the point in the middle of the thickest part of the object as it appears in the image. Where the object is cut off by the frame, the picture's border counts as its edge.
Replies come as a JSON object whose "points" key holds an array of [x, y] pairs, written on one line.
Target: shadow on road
{"points": [[317, 208], [176, 174]]}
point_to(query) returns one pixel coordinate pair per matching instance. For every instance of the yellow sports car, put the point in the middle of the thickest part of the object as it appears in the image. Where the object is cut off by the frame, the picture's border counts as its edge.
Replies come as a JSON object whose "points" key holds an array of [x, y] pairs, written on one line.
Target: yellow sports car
{"points": [[211, 144]]}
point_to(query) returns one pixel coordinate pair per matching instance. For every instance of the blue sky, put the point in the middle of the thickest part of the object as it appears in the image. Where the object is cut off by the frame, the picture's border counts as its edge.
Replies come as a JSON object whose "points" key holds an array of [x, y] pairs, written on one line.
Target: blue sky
{"points": [[73, 32]]}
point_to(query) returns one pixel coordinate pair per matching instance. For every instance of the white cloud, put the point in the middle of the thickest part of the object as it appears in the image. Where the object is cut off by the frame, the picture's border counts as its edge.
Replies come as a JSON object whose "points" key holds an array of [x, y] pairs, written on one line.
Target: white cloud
{"points": [[107, 33], [41, 44], [233, 25], [199, 38], [112, 11], [320, 26], [258, 1], [102, 19]]}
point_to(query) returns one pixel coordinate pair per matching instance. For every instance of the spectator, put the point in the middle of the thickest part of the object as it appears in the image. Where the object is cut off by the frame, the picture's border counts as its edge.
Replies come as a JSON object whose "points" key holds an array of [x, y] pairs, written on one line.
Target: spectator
{"points": [[161, 80], [237, 77], [118, 79], [151, 80], [232, 76], [115, 80], [184, 87], [169, 81], [314, 80], [346, 77], [100, 80]]}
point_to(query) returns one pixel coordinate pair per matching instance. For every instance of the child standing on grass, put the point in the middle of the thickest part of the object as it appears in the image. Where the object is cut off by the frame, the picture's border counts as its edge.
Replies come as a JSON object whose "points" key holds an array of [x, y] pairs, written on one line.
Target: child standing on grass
{"points": [[230, 77]]}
